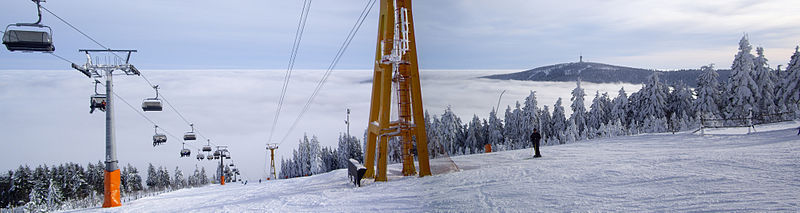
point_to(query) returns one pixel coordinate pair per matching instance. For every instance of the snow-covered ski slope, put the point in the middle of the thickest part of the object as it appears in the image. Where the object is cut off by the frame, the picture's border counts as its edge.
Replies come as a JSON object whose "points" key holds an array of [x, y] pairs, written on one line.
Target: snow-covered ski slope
{"points": [[657, 172]]}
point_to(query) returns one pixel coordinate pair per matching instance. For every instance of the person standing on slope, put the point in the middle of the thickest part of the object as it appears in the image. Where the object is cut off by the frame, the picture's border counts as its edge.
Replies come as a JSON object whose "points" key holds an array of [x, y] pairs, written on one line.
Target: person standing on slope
{"points": [[535, 137]]}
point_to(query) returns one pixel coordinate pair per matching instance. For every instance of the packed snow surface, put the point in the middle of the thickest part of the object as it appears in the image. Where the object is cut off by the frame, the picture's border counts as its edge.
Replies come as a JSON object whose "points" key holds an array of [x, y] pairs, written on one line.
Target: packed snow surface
{"points": [[655, 172]]}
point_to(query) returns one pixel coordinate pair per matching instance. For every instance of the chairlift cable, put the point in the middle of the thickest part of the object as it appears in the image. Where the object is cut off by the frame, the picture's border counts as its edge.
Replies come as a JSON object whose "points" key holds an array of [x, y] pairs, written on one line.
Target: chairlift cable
{"points": [[75, 28], [292, 57], [62, 58], [364, 13]]}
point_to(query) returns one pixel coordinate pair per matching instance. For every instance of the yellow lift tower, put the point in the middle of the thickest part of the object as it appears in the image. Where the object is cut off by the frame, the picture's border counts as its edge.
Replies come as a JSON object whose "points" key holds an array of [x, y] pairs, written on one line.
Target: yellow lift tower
{"points": [[396, 65], [272, 147]]}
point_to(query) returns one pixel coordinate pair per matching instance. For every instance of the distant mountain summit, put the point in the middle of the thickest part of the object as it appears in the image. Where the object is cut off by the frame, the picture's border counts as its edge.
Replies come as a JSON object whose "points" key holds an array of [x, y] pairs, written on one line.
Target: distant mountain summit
{"points": [[604, 73]]}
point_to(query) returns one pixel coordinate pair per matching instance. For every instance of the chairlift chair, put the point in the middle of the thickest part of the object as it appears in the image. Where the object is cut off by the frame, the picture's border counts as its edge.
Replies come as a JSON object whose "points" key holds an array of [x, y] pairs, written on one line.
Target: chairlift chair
{"points": [[217, 153], [29, 37], [97, 101], [231, 165], [190, 136], [206, 148], [200, 156], [210, 157], [186, 152], [152, 104], [158, 138]]}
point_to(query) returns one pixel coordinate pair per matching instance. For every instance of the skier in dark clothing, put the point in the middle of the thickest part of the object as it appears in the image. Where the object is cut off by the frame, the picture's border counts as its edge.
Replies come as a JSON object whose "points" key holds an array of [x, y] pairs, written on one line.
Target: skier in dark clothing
{"points": [[535, 137]]}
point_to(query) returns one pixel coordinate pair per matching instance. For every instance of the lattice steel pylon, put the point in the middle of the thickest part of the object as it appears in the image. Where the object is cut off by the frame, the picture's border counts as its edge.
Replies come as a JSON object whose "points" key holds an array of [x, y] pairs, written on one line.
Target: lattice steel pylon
{"points": [[396, 64], [272, 147]]}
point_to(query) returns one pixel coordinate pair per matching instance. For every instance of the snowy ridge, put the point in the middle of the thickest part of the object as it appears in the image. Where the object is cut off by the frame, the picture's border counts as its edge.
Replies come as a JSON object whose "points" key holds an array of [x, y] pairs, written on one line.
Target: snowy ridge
{"points": [[654, 172], [602, 73]]}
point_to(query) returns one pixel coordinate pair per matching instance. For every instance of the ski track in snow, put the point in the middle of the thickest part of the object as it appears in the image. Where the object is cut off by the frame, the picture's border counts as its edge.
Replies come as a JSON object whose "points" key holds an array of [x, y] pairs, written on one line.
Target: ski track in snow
{"points": [[652, 172]]}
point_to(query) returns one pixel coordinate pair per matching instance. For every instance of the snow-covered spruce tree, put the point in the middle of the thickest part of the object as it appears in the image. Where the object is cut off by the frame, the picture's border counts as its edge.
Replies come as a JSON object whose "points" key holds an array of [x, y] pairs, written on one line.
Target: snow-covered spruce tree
{"points": [[530, 119], [790, 89], [619, 108], [449, 130], [316, 157], [598, 114], [765, 82], [349, 147], [474, 137], [578, 109], [515, 129], [708, 94], [152, 176], [495, 130], [559, 122], [203, 177], [178, 181], [545, 122], [679, 104], [94, 176], [164, 178], [652, 105], [571, 134], [741, 89], [134, 179]]}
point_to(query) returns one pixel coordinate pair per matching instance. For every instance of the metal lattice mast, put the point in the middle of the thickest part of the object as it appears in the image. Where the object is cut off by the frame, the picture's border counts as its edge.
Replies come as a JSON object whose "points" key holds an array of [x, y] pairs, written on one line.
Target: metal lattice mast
{"points": [[272, 147], [396, 65], [111, 181]]}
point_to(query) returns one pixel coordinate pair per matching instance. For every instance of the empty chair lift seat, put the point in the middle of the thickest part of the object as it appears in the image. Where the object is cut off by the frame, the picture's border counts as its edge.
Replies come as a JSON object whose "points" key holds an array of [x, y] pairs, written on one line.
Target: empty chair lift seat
{"points": [[25, 40], [355, 171], [189, 136], [151, 104]]}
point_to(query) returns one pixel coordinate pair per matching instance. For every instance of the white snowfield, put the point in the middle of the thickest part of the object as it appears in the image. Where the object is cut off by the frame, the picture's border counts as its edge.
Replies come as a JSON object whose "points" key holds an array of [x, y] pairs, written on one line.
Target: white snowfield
{"points": [[659, 172]]}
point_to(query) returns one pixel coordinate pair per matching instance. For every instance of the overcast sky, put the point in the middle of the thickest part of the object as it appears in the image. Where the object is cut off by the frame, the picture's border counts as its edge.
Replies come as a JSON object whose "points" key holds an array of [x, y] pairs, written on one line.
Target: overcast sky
{"points": [[451, 34]]}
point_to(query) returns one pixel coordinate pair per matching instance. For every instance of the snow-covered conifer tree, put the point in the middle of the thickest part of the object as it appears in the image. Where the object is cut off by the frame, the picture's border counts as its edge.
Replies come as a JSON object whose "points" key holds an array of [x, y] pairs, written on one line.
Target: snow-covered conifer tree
{"points": [[707, 93], [495, 129], [545, 121], [741, 88], [578, 107], [559, 122], [765, 82], [530, 119], [790, 89], [619, 109]]}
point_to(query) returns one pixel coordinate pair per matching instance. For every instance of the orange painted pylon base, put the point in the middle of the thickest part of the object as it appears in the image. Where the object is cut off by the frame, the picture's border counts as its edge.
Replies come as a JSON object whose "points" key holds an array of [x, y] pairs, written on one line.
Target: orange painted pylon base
{"points": [[111, 192], [222, 180]]}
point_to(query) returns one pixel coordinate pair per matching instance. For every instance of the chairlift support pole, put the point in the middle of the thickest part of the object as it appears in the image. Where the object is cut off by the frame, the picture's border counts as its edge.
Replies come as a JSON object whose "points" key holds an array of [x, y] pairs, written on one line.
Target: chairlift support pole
{"points": [[222, 163], [272, 147], [111, 180]]}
